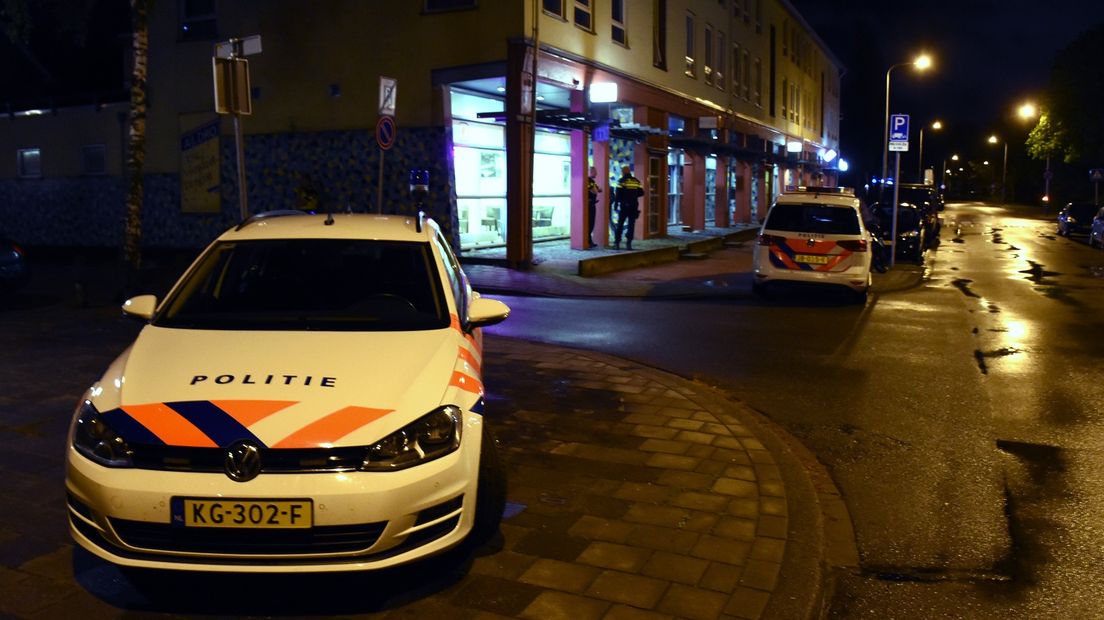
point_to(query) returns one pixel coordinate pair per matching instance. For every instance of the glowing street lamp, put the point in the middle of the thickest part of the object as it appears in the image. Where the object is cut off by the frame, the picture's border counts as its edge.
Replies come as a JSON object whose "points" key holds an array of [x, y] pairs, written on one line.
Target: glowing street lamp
{"points": [[936, 125], [1028, 111], [921, 62], [1004, 168]]}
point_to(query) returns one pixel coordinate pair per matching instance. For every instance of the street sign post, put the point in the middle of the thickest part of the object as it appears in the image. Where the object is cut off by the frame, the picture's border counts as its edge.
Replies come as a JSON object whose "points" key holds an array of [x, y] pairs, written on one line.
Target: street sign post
{"points": [[233, 96], [388, 91], [1096, 175], [898, 133], [385, 128]]}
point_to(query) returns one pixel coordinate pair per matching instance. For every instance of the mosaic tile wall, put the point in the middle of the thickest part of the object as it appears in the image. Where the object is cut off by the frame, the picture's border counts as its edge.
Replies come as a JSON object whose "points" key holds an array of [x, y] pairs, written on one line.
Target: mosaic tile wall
{"points": [[343, 167]]}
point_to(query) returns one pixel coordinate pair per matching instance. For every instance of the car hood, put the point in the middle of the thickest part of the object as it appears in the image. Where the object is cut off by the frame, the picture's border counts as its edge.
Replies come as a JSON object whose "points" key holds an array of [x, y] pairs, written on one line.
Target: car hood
{"points": [[209, 388]]}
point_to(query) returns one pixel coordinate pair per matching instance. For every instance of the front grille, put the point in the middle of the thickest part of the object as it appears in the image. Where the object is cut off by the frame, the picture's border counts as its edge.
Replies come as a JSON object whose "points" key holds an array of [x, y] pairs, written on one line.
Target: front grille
{"points": [[319, 539], [273, 461]]}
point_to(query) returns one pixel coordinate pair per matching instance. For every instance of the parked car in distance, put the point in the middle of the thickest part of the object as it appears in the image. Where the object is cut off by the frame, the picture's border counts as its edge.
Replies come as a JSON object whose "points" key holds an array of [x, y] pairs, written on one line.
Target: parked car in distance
{"points": [[912, 237], [814, 235], [1076, 218], [926, 198], [13, 266], [1096, 233]]}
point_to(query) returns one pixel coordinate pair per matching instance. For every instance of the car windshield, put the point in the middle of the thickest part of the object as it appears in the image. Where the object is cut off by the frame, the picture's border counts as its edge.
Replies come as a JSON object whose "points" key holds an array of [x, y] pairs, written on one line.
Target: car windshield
{"points": [[813, 218], [918, 196], [1083, 211], [907, 218], [310, 284]]}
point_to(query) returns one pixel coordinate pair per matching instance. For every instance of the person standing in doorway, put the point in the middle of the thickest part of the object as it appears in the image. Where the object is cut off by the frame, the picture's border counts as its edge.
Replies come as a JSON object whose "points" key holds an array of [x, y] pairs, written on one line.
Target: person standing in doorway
{"points": [[592, 203], [627, 200]]}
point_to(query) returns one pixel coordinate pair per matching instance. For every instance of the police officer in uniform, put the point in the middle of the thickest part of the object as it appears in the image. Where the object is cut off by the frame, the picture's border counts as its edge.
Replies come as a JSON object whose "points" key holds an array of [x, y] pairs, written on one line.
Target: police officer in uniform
{"points": [[627, 200]]}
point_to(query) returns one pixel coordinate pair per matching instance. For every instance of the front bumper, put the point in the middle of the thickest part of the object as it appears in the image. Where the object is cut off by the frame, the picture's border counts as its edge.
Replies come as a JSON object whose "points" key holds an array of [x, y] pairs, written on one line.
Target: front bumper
{"points": [[361, 520]]}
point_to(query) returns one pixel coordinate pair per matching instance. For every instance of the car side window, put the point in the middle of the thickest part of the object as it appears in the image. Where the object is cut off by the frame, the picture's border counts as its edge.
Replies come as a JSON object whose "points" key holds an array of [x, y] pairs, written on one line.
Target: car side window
{"points": [[457, 281]]}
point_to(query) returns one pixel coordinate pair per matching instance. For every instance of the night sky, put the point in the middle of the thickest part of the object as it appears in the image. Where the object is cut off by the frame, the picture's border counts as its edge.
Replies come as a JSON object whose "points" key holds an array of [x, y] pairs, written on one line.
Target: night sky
{"points": [[990, 55]]}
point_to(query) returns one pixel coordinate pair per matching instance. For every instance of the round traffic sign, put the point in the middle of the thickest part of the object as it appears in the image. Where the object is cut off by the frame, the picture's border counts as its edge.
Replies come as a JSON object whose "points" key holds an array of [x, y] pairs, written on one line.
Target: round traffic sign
{"points": [[385, 132]]}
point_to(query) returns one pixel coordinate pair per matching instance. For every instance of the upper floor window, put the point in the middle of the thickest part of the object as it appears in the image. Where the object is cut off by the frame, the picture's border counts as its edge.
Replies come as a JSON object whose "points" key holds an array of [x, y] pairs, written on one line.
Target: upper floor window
{"points": [[29, 162], [758, 82], [758, 16], [583, 17], [659, 34], [690, 68], [747, 75], [197, 20], [435, 6], [707, 49], [554, 7], [94, 159], [736, 69], [719, 71], [617, 17]]}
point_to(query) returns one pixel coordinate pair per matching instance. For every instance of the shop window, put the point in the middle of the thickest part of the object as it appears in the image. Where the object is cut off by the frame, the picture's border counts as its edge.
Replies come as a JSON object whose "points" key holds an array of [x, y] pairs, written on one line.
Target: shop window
{"points": [[617, 17], [197, 20], [711, 190], [29, 162], [94, 159], [583, 16], [674, 187]]}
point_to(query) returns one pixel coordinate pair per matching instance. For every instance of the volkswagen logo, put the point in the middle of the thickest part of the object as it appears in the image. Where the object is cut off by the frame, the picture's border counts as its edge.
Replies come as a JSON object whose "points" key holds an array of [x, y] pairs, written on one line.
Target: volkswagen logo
{"points": [[243, 461]]}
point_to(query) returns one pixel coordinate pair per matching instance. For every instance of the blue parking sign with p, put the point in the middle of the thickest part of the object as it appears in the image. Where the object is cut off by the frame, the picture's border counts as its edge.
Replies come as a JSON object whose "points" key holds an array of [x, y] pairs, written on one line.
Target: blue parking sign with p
{"points": [[898, 127]]}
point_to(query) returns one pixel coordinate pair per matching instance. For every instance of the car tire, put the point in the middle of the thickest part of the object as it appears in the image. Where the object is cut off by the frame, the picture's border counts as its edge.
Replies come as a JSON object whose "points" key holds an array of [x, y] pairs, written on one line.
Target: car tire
{"points": [[490, 495], [859, 297]]}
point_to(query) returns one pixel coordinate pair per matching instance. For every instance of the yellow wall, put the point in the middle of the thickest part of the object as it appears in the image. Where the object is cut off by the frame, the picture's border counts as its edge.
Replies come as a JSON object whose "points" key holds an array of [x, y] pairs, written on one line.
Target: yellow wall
{"points": [[61, 150]]}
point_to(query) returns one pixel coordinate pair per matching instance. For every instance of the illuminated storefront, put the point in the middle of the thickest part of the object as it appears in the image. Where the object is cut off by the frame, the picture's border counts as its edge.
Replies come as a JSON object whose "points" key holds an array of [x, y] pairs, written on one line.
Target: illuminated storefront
{"points": [[479, 160]]}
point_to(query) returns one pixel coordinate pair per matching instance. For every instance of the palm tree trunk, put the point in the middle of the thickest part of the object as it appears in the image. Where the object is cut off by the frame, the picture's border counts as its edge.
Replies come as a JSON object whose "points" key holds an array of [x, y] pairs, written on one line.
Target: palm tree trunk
{"points": [[136, 151]]}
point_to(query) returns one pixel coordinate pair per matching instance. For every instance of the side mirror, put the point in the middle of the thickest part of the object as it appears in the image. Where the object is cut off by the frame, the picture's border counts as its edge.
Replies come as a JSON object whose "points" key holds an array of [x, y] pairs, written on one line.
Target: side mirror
{"points": [[483, 312], [140, 307]]}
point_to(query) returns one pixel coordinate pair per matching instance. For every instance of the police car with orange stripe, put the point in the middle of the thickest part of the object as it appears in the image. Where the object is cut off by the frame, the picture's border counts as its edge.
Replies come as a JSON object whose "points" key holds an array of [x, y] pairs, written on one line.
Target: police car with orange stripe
{"points": [[307, 397], [814, 235]]}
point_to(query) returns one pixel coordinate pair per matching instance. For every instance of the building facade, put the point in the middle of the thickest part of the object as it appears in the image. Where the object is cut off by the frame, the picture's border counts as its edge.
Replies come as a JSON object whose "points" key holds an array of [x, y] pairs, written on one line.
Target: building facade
{"points": [[715, 105]]}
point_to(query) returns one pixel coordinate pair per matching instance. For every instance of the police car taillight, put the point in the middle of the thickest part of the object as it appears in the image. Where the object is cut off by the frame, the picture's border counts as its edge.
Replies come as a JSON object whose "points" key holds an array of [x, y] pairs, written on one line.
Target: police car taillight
{"points": [[853, 245]]}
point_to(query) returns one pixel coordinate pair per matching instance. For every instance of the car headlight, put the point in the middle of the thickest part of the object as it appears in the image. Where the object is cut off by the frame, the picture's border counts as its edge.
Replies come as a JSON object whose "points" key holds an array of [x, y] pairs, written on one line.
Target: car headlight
{"points": [[429, 437], [910, 234], [93, 438]]}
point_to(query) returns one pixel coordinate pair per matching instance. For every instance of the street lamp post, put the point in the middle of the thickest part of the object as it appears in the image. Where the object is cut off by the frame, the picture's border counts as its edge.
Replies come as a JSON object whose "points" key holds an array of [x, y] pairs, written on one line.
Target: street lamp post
{"points": [[936, 125], [1004, 167], [923, 61]]}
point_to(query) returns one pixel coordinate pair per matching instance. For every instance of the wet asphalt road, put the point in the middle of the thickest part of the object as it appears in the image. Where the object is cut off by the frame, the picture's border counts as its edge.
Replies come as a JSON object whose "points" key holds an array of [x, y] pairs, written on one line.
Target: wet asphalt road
{"points": [[961, 418]]}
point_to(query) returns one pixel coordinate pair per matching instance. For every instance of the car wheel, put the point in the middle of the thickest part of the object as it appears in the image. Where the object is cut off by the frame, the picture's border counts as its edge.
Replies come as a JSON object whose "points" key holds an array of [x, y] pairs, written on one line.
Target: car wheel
{"points": [[490, 495], [859, 297]]}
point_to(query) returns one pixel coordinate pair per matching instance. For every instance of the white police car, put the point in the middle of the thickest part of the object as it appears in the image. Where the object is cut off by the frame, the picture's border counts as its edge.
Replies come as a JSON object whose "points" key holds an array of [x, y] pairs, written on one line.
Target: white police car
{"points": [[307, 397], [814, 235]]}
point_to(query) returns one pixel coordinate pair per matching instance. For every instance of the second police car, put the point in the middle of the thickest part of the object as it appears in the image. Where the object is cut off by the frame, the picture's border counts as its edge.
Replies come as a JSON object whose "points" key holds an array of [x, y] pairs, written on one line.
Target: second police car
{"points": [[814, 235], [308, 397]]}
